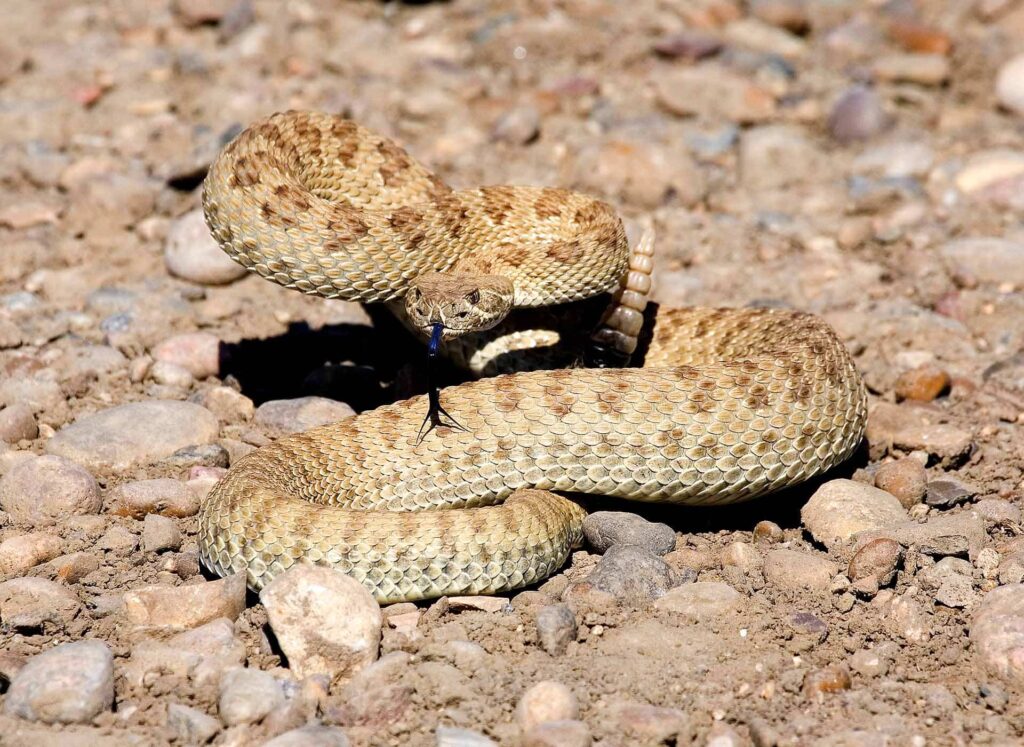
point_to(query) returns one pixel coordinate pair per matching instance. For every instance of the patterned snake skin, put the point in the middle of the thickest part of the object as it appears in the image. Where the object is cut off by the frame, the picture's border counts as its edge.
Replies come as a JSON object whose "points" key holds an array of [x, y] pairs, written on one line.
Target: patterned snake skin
{"points": [[729, 404]]}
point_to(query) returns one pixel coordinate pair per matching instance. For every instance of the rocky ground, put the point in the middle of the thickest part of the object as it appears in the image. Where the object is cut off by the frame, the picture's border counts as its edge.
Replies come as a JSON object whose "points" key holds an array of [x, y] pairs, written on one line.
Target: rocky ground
{"points": [[859, 160]]}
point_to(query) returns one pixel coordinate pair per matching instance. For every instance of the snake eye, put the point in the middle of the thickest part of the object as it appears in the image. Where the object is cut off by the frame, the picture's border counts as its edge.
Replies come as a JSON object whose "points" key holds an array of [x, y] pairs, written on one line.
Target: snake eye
{"points": [[417, 295], [473, 296]]}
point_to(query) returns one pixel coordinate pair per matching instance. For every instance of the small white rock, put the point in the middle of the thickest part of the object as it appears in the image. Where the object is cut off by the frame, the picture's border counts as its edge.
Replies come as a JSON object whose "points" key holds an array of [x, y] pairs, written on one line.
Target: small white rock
{"points": [[192, 254], [248, 695], [546, 701], [303, 605], [1010, 85], [841, 508]]}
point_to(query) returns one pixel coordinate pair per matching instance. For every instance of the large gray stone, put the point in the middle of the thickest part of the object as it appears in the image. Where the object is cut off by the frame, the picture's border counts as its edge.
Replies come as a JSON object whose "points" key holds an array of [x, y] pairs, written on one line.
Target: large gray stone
{"points": [[135, 434], [72, 683]]}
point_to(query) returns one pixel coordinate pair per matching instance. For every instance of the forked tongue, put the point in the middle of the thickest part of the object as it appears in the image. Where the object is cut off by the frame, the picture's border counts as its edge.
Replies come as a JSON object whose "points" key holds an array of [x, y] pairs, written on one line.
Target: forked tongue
{"points": [[435, 340]]}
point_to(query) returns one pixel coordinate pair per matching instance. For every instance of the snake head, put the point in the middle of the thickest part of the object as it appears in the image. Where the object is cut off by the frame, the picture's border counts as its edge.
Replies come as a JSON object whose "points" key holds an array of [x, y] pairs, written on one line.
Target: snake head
{"points": [[460, 303]]}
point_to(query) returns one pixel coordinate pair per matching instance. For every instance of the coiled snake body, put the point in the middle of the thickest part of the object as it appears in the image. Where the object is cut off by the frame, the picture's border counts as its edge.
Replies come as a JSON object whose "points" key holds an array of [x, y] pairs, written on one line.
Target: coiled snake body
{"points": [[730, 404]]}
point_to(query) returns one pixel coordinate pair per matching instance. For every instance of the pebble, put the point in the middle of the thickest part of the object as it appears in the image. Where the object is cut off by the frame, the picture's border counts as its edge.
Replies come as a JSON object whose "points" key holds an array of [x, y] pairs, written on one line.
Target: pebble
{"points": [[190, 725], [201, 655], [452, 736], [302, 605], [1010, 85], [987, 169], [613, 168], [160, 533], [702, 601], [196, 352], [990, 261], [956, 591], [556, 627], [74, 567], [545, 702], [226, 403], [947, 492], [998, 511], [18, 423], [377, 695], [648, 724], [118, 540], [713, 93], [313, 735], [997, 634], [171, 375], [923, 69], [915, 36], [48, 489], [841, 508], [908, 429], [186, 606], [10, 335], [206, 456], [858, 114], [768, 532], [25, 551], [248, 695], [132, 435], [879, 559], [481, 603], [955, 534], [568, 733], [70, 684], [605, 529], [31, 603], [518, 126], [898, 159], [788, 14], [777, 156], [632, 575], [191, 253], [905, 479], [907, 618], [741, 555], [162, 496], [922, 384], [872, 662], [753, 34], [295, 415], [798, 571], [987, 562], [687, 45], [830, 679]]}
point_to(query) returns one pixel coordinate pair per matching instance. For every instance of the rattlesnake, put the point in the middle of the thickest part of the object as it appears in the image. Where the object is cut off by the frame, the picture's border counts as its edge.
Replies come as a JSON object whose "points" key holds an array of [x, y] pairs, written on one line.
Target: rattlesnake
{"points": [[728, 405]]}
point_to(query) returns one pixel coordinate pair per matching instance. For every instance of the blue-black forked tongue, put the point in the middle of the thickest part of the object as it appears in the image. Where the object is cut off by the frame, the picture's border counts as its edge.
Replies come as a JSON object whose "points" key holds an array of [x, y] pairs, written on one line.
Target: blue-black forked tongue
{"points": [[435, 340], [436, 415]]}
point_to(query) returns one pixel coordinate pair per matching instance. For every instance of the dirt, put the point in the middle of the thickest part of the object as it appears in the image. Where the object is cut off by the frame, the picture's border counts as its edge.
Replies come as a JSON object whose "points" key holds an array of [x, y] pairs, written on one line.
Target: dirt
{"points": [[110, 112]]}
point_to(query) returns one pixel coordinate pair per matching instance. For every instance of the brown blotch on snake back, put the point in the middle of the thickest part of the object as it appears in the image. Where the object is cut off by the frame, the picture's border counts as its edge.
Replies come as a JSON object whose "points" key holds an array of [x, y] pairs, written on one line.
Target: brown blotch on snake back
{"points": [[564, 252], [245, 173], [549, 204], [273, 216], [396, 161], [405, 218], [292, 197], [498, 203]]}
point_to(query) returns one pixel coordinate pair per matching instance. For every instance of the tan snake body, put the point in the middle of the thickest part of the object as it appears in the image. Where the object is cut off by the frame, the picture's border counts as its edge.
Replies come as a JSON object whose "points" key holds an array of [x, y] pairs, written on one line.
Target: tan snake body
{"points": [[730, 403]]}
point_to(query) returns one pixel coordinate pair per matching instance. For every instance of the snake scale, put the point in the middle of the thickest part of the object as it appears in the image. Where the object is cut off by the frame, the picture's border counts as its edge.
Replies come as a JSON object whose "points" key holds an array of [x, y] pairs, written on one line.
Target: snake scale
{"points": [[729, 404]]}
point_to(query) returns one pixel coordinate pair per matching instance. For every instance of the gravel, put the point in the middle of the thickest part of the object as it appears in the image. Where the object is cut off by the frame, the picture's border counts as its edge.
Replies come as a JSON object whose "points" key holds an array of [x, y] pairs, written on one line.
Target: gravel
{"points": [[861, 162]]}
